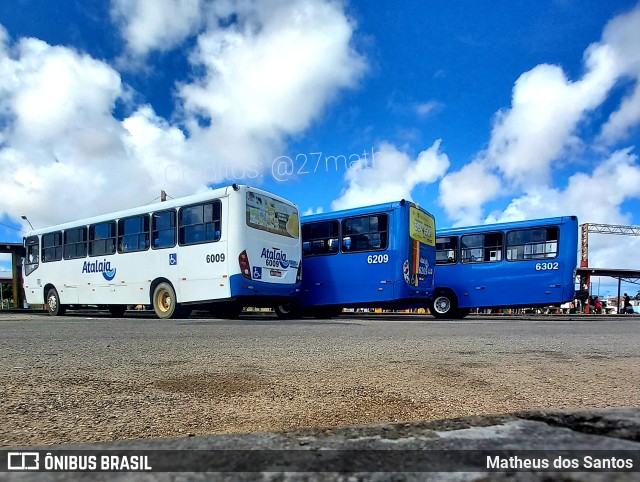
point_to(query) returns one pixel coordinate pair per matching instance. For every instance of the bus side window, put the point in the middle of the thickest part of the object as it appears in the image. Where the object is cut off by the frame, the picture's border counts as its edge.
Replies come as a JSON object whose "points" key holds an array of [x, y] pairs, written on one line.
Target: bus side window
{"points": [[481, 248], [75, 243], [102, 238], [320, 238], [52, 247], [32, 260], [536, 243], [365, 233], [200, 223], [447, 250], [133, 234], [163, 229]]}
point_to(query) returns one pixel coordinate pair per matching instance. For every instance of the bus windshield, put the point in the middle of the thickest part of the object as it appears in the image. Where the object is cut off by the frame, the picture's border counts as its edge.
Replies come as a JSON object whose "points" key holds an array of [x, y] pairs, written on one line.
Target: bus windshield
{"points": [[273, 216]]}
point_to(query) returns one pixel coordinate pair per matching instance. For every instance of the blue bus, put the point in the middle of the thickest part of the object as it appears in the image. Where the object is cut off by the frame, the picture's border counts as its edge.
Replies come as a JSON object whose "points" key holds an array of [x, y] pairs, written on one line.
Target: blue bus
{"points": [[376, 256], [517, 264]]}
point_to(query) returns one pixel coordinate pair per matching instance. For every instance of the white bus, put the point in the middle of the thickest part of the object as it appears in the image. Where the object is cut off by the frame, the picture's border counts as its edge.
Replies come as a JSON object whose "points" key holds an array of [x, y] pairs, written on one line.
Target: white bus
{"points": [[220, 250]]}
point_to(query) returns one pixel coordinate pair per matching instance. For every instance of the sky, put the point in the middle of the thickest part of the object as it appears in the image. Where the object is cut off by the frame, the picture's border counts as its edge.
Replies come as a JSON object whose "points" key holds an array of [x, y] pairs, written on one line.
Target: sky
{"points": [[477, 112]]}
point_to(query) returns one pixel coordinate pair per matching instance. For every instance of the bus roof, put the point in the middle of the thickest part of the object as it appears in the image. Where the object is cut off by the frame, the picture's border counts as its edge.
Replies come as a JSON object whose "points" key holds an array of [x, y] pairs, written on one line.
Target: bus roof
{"points": [[506, 226], [157, 206], [359, 211]]}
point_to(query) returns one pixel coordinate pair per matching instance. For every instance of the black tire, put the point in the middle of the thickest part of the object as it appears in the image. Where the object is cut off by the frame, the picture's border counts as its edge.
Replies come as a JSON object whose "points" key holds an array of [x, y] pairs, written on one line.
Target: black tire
{"points": [[117, 311], [286, 311], [164, 302], [54, 307], [462, 313], [443, 305], [227, 311]]}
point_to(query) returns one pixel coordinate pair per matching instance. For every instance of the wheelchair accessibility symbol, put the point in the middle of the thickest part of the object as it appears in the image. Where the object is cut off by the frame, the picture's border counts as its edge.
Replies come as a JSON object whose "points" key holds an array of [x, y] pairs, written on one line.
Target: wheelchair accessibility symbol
{"points": [[173, 259], [257, 272]]}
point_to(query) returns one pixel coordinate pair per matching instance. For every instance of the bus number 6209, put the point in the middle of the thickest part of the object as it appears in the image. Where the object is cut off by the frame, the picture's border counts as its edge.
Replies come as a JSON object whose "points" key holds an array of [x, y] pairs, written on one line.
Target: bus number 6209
{"points": [[377, 258], [215, 258], [546, 266]]}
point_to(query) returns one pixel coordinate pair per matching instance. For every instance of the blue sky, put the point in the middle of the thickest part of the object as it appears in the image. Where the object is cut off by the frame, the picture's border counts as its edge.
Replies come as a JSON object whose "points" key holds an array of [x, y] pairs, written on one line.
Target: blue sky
{"points": [[479, 113]]}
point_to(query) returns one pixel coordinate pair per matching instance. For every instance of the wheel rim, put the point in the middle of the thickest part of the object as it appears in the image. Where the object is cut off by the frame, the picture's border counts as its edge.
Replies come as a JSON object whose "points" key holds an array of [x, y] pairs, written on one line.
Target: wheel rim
{"points": [[442, 304], [285, 309], [164, 301], [52, 302]]}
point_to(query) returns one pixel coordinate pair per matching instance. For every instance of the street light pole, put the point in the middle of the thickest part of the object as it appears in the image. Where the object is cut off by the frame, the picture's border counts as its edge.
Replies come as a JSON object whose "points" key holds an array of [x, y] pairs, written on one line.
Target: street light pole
{"points": [[25, 218]]}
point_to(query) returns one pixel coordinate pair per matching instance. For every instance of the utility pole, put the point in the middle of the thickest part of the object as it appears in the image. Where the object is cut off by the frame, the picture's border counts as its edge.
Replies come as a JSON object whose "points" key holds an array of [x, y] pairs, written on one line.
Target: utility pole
{"points": [[163, 196]]}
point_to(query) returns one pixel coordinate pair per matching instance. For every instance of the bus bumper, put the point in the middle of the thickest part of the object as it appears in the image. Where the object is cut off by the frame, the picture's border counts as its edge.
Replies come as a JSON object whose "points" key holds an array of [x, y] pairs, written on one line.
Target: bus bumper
{"points": [[241, 287]]}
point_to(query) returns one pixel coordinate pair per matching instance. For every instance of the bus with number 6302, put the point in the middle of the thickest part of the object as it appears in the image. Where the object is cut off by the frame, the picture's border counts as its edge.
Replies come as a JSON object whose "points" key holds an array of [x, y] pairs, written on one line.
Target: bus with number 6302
{"points": [[516, 264]]}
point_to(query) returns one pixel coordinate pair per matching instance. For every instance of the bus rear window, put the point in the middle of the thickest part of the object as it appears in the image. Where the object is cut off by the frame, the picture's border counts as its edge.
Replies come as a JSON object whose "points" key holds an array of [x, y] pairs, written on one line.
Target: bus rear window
{"points": [[273, 216]]}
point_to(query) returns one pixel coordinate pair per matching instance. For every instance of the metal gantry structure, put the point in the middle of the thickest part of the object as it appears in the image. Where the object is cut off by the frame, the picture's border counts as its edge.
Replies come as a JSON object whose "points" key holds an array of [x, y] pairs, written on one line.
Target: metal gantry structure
{"points": [[630, 276]]}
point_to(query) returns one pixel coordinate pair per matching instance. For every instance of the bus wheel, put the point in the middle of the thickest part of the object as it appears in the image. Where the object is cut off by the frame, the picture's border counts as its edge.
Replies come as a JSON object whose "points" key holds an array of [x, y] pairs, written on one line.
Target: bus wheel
{"points": [[54, 307], [443, 306], [462, 313], [286, 311], [117, 311], [164, 301]]}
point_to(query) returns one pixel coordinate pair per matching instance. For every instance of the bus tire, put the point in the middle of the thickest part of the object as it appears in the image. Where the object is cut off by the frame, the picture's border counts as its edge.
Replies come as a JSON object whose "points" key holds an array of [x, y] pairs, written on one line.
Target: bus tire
{"points": [[54, 307], [443, 305], [164, 301], [286, 311], [117, 311], [462, 313]]}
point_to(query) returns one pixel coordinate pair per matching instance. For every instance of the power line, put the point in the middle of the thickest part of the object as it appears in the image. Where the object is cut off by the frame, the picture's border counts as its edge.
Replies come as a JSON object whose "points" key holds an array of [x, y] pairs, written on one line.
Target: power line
{"points": [[12, 227]]}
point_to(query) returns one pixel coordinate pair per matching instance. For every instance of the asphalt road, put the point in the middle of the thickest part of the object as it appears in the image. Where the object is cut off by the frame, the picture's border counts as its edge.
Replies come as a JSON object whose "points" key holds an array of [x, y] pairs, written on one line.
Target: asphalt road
{"points": [[89, 377]]}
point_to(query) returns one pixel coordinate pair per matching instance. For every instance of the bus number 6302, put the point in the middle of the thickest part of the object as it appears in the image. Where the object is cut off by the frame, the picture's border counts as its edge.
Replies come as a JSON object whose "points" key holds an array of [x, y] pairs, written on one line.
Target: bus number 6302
{"points": [[546, 266], [215, 258]]}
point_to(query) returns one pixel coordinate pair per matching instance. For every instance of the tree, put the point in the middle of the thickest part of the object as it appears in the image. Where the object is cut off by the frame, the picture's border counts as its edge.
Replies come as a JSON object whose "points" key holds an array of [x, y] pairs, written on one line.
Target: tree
{"points": [[7, 295]]}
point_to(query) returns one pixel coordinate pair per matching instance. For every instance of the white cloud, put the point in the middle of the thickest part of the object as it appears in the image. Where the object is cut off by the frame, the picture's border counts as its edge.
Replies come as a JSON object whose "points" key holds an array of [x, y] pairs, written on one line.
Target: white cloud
{"points": [[622, 121], [270, 74], [425, 109], [594, 198], [157, 25], [265, 76], [309, 211], [390, 176], [540, 130], [463, 192]]}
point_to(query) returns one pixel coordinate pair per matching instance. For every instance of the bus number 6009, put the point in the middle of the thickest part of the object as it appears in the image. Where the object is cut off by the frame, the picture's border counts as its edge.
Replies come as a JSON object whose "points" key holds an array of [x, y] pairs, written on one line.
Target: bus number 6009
{"points": [[215, 258], [546, 266]]}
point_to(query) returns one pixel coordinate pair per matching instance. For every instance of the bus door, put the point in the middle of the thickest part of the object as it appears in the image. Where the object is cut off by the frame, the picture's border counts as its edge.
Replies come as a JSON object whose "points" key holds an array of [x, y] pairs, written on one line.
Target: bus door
{"points": [[366, 273], [481, 256]]}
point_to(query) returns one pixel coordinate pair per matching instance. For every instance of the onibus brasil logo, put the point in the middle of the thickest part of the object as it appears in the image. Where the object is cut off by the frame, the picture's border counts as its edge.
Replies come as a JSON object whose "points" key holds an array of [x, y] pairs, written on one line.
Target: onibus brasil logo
{"points": [[103, 267]]}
